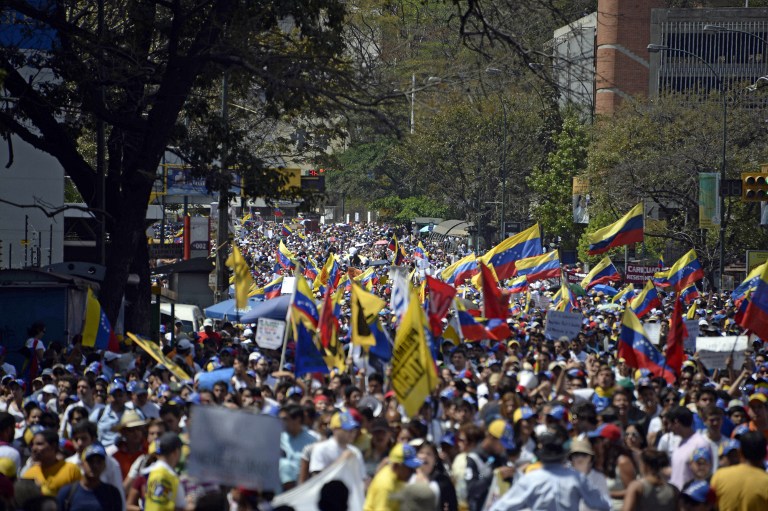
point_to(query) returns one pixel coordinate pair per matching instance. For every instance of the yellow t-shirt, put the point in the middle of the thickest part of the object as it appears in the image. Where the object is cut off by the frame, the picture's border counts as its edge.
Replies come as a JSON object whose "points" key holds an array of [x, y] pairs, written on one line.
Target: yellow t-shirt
{"points": [[741, 488], [53, 478], [384, 484], [163, 490]]}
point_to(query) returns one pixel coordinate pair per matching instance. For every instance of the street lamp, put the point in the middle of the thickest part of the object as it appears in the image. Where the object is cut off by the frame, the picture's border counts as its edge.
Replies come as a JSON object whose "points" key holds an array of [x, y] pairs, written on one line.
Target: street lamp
{"points": [[502, 227], [657, 48]]}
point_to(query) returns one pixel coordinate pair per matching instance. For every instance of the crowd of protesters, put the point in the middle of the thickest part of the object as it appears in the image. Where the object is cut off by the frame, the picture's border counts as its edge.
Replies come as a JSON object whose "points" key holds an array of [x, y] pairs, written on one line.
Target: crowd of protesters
{"points": [[523, 422]]}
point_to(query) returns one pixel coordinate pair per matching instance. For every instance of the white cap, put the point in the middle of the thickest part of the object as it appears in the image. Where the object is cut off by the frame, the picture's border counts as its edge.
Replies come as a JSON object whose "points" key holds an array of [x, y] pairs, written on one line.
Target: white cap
{"points": [[50, 389], [254, 356], [208, 322], [703, 322], [247, 332]]}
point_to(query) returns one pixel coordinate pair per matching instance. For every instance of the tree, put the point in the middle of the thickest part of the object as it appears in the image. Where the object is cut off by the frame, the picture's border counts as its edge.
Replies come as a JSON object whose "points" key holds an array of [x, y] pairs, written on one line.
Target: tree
{"points": [[147, 72], [551, 183], [654, 151]]}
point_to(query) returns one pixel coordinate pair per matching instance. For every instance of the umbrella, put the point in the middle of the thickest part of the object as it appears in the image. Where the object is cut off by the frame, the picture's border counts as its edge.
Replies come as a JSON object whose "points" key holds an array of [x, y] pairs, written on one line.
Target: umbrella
{"points": [[226, 310], [426, 228], [382, 242], [608, 306], [275, 308]]}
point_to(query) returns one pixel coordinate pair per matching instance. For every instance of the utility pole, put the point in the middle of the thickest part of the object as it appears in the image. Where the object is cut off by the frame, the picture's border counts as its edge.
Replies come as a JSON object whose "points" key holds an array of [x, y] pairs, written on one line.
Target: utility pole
{"points": [[101, 171], [222, 240]]}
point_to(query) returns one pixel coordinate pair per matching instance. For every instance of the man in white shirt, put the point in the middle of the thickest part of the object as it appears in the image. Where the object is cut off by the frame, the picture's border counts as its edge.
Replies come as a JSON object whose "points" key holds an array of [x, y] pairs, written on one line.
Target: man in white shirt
{"points": [[139, 401], [344, 428]]}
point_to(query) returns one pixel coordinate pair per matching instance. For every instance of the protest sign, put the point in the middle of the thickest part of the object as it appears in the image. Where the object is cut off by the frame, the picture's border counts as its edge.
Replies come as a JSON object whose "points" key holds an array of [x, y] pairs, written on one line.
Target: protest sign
{"points": [[413, 370], [289, 286], [639, 274], [692, 325], [346, 469], [223, 453], [714, 350], [653, 331], [155, 351], [562, 324], [269, 333]]}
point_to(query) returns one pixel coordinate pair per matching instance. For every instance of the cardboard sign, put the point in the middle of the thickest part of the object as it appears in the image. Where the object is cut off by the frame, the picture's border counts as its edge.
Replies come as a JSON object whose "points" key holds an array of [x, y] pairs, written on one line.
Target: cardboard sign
{"points": [[269, 333], [714, 350], [692, 325], [653, 331], [561, 324], [289, 286], [224, 454]]}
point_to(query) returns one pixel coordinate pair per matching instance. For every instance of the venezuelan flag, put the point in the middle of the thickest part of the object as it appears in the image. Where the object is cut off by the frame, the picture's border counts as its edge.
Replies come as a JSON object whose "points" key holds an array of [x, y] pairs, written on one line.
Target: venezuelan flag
{"points": [[286, 231], [689, 294], [96, 330], [310, 270], [461, 270], [256, 292], [368, 278], [563, 300], [303, 304], [750, 283], [285, 257], [519, 285], [419, 252], [541, 267], [273, 289], [627, 294], [627, 230], [504, 255], [755, 317], [470, 329], [682, 274], [329, 275], [398, 256], [645, 300], [602, 273], [637, 350]]}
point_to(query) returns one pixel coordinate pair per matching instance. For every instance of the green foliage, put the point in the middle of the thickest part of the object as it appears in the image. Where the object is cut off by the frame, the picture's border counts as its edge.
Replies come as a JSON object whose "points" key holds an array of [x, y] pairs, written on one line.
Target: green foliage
{"points": [[397, 210], [654, 151], [551, 184]]}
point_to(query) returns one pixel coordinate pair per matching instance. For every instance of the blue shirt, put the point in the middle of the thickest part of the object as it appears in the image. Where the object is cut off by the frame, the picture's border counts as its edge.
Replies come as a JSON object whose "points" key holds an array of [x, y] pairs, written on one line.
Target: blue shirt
{"points": [[105, 423], [104, 497], [552, 488], [292, 447]]}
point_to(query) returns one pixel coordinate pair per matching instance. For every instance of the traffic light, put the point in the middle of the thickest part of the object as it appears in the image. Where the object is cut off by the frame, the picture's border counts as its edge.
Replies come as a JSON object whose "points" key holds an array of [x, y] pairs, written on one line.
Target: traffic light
{"points": [[754, 186]]}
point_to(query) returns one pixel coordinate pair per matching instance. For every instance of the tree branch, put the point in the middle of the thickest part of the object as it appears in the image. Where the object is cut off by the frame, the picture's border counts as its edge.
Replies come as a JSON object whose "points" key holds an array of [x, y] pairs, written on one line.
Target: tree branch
{"points": [[50, 213]]}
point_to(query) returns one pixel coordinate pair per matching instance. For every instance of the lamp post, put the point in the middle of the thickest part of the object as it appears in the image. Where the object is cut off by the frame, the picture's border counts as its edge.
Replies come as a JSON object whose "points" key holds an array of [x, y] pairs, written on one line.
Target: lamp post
{"points": [[657, 48]]}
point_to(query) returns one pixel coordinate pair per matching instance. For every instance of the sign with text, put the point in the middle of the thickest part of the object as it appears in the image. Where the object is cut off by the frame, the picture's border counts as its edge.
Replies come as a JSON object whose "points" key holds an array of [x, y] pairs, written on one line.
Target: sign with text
{"points": [[713, 351], [269, 333], [561, 324], [224, 454], [639, 274], [692, 325]]}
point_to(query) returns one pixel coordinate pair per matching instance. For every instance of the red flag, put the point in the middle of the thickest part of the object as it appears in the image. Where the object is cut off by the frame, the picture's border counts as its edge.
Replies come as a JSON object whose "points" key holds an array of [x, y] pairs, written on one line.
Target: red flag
{"points": [[440, 297], [495, 303], [676, 337], [328, 324]]}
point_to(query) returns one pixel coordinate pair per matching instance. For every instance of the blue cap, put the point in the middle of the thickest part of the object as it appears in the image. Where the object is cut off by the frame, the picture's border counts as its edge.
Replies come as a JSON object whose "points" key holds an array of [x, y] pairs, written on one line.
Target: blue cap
{"points": [[95, 449], [193, 398], [729, 446], [702, 454], [448, 393], [344, 420], [294, 391], [449, 439], [404, 454], [698, 491], [116, 386], [557, 412]]}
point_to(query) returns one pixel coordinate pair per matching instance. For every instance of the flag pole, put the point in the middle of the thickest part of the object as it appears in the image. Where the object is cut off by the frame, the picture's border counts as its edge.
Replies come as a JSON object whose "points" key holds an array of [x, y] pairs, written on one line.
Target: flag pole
{"points": [[288, 321]]}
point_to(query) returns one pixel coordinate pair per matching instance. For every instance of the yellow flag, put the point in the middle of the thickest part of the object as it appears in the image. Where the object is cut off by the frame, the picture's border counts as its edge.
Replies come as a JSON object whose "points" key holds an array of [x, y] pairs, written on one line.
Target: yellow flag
{"points": [[365, 310], [413, 370], [691, 314], [243, 278], [155, 351]]}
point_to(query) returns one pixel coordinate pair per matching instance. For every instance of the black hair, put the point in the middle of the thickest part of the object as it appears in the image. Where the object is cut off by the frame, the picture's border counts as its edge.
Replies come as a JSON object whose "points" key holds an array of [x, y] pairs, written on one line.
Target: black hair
{"points": [[294, 411], [170, 408], [85, 426], [350, 389], [682, 415], [753, 446], [50, 436], [377, 377], [655, 460], [7, 421]]}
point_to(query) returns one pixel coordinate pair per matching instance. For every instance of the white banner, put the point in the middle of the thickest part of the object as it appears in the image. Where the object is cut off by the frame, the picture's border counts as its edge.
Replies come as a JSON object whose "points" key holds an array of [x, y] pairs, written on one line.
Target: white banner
{"points": [[269, 333], [561, 324], [714, 350], [305, 496], [398, 276], [692, 325], [234, 447]]}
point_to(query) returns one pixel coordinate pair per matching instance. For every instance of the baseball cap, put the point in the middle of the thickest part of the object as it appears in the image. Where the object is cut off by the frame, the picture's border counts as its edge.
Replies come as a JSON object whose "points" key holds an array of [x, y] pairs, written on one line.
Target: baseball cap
{"points": [[609, 431], [504, 432], [116, 386], [294, 391], [759, 396], [581, 446], [702, 454], [208, 322], [184, 344], [523, 413], [404, 454], [49, 389], [137, 387], [8, 467], [343, 420], [729, 446], [95, 449], [255, 356], [167, 443], [558, 412]]}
